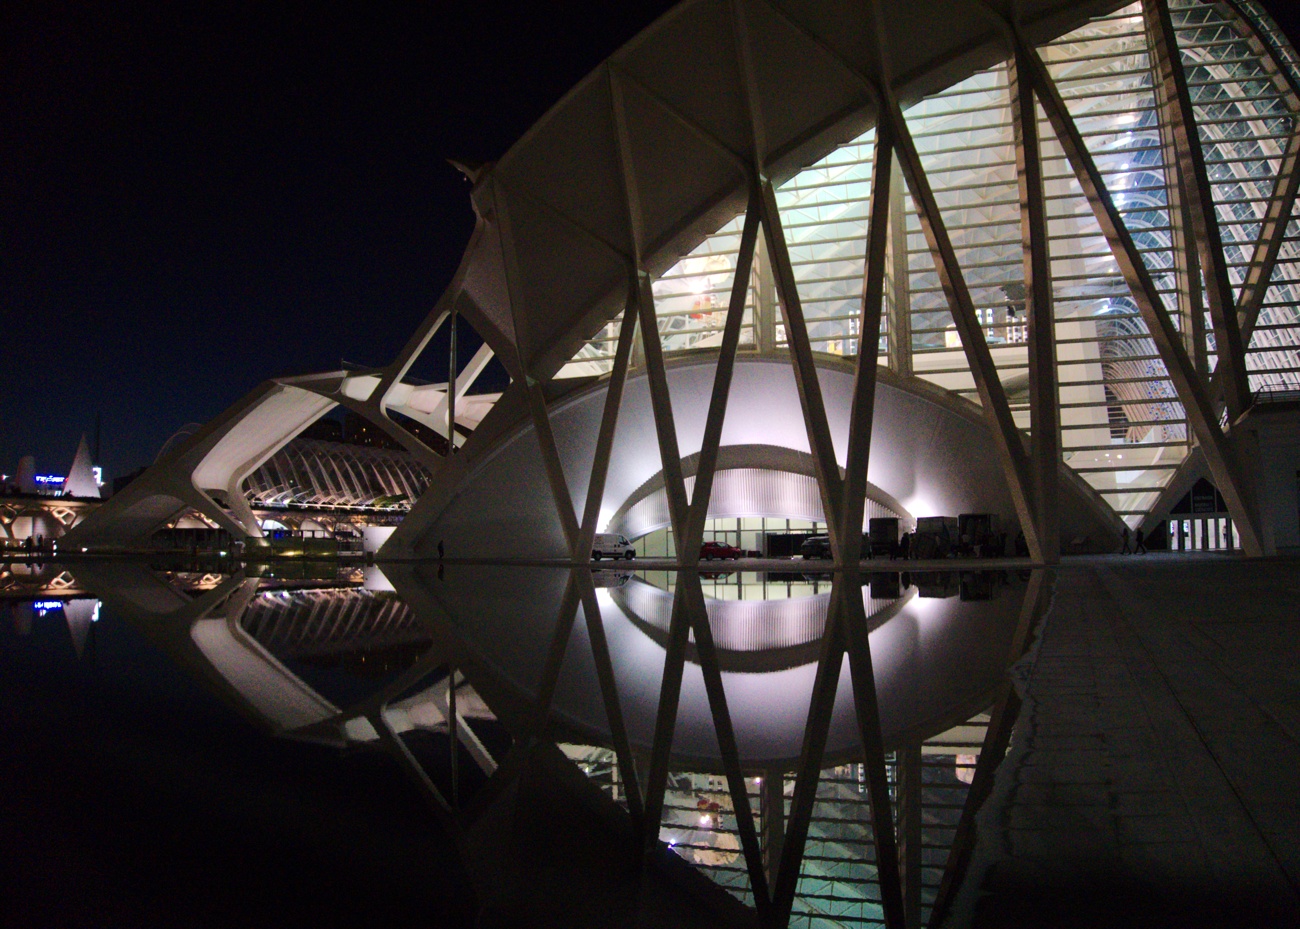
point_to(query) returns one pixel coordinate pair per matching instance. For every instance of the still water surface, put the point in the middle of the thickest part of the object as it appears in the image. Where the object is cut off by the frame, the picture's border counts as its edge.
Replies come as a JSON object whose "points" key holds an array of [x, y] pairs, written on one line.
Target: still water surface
{"points": [[401, 707]]}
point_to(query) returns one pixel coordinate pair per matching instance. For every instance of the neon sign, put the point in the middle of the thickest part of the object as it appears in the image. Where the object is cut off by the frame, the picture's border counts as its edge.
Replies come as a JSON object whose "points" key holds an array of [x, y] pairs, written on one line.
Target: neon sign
{"points": [[58, 480], [44, 606]]}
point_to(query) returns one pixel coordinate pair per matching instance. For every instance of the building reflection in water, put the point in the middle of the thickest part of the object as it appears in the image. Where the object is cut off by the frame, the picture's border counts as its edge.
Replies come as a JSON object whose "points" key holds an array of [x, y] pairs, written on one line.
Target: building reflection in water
{"points": [[755, 729]]}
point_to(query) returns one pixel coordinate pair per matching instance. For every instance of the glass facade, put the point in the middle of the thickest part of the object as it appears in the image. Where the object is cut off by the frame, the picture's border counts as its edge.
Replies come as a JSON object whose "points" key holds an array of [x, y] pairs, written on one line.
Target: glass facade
{"points": [[1123, 428]]}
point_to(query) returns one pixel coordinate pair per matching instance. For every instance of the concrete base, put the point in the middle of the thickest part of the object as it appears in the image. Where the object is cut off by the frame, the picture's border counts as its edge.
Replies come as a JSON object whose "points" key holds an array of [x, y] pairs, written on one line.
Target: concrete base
{"points": [[1154, 775]]}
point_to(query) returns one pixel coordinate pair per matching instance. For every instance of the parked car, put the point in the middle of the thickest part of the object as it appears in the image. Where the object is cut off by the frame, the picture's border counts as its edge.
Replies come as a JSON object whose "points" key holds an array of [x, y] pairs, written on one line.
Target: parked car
{"points": [[817, 546], [611, 545], [711, 550]]}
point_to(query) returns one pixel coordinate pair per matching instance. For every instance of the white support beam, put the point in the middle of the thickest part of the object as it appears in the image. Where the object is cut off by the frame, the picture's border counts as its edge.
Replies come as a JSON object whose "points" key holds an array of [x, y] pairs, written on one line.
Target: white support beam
{"points": [[1180, 117], [805, 369], [728, 748], [665, 426], [608, 423], [1280, 206], [1044, 397], [1008, 442], [534, 394], [438, 417], [708, 461], [857, 642], [641, 292], [1223, 462], [1272, 234], [862, 413], [609, 691]]}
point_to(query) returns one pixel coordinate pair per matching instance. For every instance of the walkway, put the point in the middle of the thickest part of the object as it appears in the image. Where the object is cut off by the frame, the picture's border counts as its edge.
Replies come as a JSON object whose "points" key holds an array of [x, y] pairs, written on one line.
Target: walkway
{"points": [[1154, 777]]}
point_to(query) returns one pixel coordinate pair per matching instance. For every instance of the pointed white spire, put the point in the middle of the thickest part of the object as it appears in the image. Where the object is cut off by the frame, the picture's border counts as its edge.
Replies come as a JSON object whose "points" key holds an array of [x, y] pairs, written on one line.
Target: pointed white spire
{"points": [[79, 615], [80, 481]]}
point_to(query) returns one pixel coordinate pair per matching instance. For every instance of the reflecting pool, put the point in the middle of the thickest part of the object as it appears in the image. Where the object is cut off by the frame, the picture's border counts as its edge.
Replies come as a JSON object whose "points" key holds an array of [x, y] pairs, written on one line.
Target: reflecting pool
{"points": [[627, 732]]}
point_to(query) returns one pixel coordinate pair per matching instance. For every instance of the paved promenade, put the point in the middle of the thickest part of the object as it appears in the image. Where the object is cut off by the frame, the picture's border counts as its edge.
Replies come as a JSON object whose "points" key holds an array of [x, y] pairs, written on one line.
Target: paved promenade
{"points": [[1154, 776]]}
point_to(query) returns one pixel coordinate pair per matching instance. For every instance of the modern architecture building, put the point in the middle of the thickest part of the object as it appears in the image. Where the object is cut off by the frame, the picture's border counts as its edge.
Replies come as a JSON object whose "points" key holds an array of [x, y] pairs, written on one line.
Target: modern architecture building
{"points": [[786, 265], [1065, 234]]}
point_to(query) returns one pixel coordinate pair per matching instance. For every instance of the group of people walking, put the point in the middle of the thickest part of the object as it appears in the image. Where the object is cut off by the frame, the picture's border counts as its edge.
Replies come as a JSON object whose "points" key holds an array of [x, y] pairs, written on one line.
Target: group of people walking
{"points": [[1138, 549]]}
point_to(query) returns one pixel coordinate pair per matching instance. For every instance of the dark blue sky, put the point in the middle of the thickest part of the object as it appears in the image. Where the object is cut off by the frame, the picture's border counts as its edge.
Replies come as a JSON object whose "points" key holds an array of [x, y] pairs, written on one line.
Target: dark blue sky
{"points": [[196, 197]]}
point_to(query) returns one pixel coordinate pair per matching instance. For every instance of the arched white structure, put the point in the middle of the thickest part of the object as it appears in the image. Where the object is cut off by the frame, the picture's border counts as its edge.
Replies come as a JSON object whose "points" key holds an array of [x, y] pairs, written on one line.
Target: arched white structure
{"points": [[927, 454]]}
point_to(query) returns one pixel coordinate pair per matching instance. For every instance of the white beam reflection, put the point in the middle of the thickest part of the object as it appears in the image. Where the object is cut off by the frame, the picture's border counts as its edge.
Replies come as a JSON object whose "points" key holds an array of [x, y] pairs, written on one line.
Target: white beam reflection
{"points": [[939, 643], [935, 659]]}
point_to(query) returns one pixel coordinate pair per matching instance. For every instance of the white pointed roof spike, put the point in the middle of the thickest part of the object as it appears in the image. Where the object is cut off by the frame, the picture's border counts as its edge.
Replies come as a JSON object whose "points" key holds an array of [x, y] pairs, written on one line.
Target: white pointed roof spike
{"points": [[79, 615], [80, 481]]}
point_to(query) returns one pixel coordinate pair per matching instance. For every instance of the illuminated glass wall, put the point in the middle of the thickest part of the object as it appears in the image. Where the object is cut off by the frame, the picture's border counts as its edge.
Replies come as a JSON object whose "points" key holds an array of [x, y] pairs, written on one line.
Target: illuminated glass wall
{"points": [[1123, 428]]}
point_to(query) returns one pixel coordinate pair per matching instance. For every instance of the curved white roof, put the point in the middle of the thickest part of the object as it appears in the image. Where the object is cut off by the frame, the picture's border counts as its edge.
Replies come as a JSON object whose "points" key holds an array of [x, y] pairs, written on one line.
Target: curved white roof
{"points": [[668, 128]]}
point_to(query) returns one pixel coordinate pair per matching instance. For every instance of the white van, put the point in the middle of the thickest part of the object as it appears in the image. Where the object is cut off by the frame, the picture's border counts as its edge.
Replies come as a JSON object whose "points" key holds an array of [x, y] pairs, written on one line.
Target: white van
{"points": [[611, 545]]}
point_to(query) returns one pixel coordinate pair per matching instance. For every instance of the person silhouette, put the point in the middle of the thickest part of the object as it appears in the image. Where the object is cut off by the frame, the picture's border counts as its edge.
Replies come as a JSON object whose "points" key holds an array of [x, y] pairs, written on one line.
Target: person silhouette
{"points": [[1124, 549], [440, 550], [1140, 549]]}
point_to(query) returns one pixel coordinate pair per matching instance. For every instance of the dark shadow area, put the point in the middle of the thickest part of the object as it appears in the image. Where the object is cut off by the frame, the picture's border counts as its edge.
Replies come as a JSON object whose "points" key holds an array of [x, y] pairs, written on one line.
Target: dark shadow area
{"points": [[133, 798], [1026, 899]]}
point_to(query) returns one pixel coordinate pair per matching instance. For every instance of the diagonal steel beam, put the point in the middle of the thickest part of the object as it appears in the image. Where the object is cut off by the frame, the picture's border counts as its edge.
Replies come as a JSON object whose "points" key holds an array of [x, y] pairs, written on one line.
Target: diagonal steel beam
{"points": [[727, 746], [750, 96], [609, 691], [523, 192], [1228, 475], [862, 414], [560, 495], [374, 410], [1044, 397], [1181, 119], [820, 710], [665, 427], [853, 618], [670, 689], [708, 462], [900, 317], [1278, 213], [1272, 236], [805, 369], [690, 125], [641, 291], [442, 810], [993, 398], [564, 619], [464, 380], [393, 374], [608, 424], [554, 470]]}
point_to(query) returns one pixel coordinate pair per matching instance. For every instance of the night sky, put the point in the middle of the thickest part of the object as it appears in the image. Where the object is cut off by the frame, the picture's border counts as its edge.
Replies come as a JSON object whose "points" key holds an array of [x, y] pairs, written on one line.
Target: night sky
{"points": [[196, 197]]}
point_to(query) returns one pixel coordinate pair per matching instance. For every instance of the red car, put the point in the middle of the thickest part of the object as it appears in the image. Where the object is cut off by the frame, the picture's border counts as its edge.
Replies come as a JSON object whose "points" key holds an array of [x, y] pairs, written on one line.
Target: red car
{"points": [[711, 550]]}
